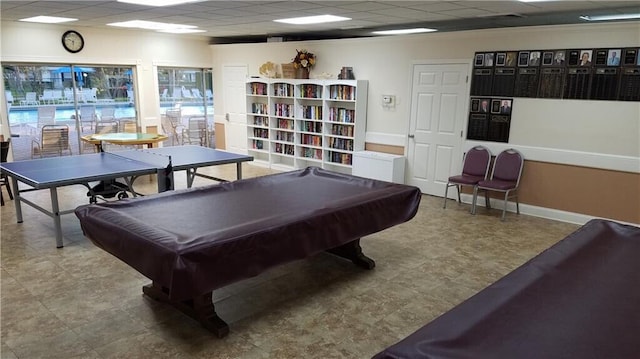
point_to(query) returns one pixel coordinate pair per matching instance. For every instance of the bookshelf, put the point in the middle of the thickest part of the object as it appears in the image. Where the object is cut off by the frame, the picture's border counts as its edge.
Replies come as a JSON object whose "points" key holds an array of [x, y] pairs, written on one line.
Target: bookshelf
{"points": [[295, 123]]}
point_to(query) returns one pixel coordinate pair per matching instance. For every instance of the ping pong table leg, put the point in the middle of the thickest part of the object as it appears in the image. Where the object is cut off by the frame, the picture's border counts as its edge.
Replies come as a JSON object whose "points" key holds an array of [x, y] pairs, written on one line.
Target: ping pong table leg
{"points": [[17, 199], [239, 170], [55, 212]]}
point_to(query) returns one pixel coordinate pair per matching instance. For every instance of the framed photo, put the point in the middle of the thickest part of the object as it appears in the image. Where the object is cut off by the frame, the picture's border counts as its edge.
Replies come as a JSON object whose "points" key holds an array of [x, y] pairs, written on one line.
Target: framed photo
{"points": [[505, 106], [613, 58], [479, 60], [558, 58], [511, 59], [485, 105], [547, 58], [475, 105], [501, 59], [585, 57], [495, 106], [523, 58], [534, 58], [488, 59]]}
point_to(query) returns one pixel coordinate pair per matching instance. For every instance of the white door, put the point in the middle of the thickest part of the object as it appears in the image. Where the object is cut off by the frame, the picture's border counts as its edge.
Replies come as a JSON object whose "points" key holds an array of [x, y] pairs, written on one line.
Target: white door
{"points": [[234, 84], [439, 107]]}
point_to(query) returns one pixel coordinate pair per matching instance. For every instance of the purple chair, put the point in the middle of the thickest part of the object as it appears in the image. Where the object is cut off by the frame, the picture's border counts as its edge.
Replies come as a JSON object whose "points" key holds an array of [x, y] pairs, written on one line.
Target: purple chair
{"points": [[475, 168], [505, 178]]}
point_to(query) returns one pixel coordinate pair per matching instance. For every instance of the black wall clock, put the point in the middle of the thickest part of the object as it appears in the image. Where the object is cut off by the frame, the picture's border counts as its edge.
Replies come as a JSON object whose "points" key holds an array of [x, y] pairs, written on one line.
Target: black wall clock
{"points": [[72, 41]]}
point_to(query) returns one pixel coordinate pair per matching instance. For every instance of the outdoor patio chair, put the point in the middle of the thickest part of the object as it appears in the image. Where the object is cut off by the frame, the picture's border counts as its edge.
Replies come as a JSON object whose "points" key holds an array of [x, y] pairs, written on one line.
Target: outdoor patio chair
{"points": [[30, 99], [4, 179], [196, 132], [53, 141], [88, 117]]}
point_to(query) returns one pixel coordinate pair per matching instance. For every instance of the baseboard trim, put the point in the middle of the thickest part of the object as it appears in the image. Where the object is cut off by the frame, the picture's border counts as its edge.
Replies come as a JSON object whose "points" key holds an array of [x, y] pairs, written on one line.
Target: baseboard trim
{"points": [[535, 211]]}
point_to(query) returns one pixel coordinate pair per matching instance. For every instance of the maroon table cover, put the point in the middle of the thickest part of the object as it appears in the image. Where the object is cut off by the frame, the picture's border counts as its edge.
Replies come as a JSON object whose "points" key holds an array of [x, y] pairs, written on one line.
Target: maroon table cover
{"points": [[578, 299], [194, 241]]}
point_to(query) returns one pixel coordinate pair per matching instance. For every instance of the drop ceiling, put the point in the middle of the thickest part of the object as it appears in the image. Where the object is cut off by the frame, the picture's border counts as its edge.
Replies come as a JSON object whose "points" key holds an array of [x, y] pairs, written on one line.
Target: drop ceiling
{"points": [[252, 21]]}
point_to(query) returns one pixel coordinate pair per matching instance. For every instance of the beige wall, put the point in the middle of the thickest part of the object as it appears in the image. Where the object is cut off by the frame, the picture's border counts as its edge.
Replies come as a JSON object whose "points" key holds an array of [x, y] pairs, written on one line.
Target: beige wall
{"points": [[600, 135], [596, 141]]}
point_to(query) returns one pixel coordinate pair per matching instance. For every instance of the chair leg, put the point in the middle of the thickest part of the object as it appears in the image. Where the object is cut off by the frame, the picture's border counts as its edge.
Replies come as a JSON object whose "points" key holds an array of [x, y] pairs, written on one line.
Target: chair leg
{"points": [[487, 202], [458, 188], [475, 197], [504, 210], [517, 205], [9, 189], [446, 190], [1, 198]]}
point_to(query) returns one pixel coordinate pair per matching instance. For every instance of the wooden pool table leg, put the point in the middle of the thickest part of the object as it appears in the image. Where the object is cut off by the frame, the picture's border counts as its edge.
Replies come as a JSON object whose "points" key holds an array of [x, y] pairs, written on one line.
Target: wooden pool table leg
{"points": [[353, 252], [200, 308]]}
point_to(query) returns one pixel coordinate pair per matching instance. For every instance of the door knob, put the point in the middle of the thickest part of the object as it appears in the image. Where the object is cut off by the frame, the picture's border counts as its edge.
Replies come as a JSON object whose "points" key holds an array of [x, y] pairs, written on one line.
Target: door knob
{"points": [[412, 136]]}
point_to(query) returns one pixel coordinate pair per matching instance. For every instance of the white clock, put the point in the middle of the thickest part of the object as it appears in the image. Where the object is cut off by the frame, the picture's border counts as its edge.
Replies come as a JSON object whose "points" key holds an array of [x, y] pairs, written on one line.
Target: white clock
{"points": [[72, 41]]}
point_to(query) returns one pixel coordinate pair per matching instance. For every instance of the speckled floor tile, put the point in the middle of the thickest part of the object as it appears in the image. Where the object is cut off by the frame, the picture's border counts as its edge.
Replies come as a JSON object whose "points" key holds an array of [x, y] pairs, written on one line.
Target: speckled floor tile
{"points": [[81, 302]]}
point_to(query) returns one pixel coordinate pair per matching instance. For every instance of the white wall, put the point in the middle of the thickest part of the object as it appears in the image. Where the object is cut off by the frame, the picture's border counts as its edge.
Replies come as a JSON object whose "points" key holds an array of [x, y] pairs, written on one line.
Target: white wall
{"points": [[609, 129], [144, 50]]}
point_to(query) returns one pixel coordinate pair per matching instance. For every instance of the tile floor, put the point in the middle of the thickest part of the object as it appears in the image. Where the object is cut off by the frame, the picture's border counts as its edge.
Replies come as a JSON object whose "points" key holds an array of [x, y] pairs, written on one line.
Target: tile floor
{"points": [[80, 302]]}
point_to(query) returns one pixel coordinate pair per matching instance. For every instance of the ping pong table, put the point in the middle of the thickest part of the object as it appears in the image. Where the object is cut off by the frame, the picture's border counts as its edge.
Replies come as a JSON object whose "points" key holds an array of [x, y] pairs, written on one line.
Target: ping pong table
{"points": [[52, 173]]}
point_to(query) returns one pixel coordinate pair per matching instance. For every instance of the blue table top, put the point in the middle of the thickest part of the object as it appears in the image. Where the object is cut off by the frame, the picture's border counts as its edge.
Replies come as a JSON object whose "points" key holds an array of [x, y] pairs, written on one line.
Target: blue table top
{"points": [[67, 170]]}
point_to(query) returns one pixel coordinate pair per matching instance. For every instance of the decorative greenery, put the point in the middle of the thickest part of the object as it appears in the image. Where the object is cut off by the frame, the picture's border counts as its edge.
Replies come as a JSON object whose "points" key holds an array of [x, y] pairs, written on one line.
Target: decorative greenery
{"points": [[304, 59]]}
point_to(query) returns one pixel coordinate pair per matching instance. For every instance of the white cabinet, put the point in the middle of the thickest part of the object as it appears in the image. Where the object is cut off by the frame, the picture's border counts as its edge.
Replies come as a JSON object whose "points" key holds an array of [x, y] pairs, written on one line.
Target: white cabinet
{"points": [[380, 166], [298, 123]]}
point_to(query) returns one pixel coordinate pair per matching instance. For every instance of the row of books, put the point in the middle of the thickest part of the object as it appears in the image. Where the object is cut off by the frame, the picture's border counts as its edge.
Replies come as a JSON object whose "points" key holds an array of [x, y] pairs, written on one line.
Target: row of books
{"points": [[257, 144], [312, 153], [284, 90], [341, 143], [337, 114], [258, 88], [342, 92], [312, 112], [338, 157], [310, 126], [285, 136], [342, 130], [285, 124], [312, 140], [311, 91], [261, 121], [260, 132], [283, 109], [260, 108], [284, 149]]}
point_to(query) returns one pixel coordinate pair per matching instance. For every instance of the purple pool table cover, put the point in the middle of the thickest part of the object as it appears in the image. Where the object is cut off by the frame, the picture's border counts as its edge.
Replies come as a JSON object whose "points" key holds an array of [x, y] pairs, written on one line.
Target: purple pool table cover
{"points": [[194, 241], [578, 299]]}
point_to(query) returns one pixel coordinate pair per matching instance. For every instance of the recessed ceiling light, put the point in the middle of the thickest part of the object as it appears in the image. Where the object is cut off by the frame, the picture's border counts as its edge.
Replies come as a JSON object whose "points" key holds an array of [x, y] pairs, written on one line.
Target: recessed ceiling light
{"points": [[318, 19], [158, 2], [404, 31], [48, 19], [611, 17]]}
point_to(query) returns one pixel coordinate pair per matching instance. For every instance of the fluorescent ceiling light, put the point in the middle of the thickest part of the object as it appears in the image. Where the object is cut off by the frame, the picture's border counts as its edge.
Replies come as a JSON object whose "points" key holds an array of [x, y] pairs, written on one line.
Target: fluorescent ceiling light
{"points": [[611, 17], [158, 2], [318, 19], [48, 19], [182, 31], [404, 31], [158, 26]]}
